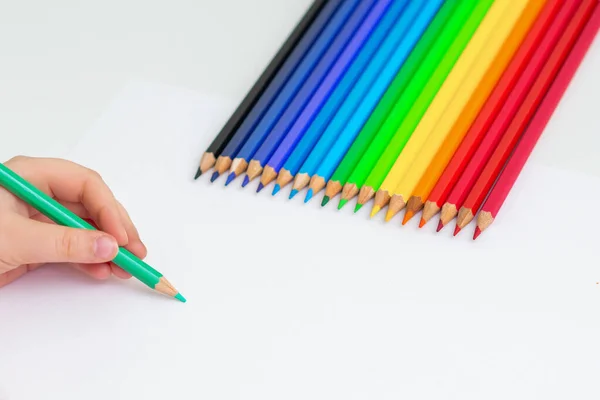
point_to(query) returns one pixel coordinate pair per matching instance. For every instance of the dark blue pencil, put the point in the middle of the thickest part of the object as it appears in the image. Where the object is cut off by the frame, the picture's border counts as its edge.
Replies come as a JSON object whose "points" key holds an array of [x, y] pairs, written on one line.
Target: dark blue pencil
{"points": [[310, 86], [291, 87], [274, 87]]}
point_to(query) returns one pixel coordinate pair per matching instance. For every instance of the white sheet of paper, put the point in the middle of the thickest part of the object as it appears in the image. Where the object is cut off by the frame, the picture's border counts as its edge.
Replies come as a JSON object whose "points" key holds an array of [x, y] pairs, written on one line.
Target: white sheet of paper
{"points": [[291, 301]]}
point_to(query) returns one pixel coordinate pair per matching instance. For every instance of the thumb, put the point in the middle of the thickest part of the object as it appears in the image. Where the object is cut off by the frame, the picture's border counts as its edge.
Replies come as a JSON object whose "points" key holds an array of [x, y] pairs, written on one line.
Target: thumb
{"points": [[39, 242]]}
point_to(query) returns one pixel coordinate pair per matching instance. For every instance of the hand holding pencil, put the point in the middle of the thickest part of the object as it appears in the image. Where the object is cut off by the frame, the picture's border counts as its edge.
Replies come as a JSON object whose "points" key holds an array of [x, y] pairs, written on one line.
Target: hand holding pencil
{"points": [[35, 192]]}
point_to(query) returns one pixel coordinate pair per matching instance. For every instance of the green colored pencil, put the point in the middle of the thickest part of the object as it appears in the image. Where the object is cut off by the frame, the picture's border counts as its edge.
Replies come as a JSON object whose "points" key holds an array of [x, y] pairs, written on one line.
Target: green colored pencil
{"points": [[408, 113], [63, 216], [387, 102]]}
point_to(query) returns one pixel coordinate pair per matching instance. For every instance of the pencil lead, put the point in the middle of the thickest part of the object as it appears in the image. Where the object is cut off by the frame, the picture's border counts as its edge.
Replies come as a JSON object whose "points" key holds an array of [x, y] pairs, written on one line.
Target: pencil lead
{"points": [[477, 233], [375, 210], [276, 189], [309, 195], [422, 223], [230, 178], [198, 173], [456, 230], [324, 201], [214, 176], [440, 226], [389, 215], [260, 187], [357, 208], [180, 297], [407, 216], [246, 181], [293, 193], [342, 203]]}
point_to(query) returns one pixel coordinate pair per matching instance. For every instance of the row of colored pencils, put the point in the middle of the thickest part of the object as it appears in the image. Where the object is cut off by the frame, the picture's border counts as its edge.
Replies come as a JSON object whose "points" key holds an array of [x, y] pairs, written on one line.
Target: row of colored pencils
{"points": [[425, 106]]}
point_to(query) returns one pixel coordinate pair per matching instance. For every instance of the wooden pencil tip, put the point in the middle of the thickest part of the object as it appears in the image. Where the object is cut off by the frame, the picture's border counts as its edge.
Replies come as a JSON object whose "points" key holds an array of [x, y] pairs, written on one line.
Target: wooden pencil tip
{"points": [[260, 187], [357, 207], [342, 203], [408, 216], [324, 201], [246, 181], [198, 173], [456, 230], [477, 233], [375, 210], [440, 226], [422, 223]]}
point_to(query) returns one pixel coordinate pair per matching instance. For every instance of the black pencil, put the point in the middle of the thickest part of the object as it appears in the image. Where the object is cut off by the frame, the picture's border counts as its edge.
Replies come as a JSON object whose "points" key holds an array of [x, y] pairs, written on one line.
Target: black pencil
{"points": [[209, 157]]}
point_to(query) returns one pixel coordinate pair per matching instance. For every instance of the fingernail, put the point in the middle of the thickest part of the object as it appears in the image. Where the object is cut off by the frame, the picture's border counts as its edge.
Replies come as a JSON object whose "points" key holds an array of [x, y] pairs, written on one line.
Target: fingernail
{"points": [[105, 247]]}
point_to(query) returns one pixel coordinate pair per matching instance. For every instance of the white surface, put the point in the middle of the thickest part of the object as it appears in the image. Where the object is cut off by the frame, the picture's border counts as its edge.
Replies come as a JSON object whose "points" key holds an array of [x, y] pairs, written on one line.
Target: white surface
{"points": [[360, 310], [63, 61]]}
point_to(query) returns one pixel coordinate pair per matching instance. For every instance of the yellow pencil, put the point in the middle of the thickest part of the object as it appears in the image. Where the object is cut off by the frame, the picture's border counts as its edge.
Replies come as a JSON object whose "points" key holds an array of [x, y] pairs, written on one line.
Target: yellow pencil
{"points": [[477, 72], [441, 101]]}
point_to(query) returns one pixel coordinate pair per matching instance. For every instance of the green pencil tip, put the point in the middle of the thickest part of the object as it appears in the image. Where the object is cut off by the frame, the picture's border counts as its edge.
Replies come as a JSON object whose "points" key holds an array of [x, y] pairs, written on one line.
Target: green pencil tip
{"points": [[358, 207], [180, 298], [342, 203], [324, 201]]}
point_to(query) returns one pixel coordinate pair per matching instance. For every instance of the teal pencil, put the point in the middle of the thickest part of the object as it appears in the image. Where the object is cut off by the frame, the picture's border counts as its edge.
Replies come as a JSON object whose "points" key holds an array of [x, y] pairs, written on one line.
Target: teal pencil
{"points": [[63, 216]]}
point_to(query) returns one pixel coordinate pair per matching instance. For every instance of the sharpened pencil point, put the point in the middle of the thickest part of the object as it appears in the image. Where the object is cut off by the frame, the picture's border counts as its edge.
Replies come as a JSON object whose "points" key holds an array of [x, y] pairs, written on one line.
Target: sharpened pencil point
{"points": [[260, 187], [246, 181], [477, 233], [293, 193], [214, 176], [375, 210], [407, 217], [309, 195], [342, 203], [180, 297], [440, 226], [422, 223], [230, 178], [324, 201], [198, 173], [456, 230], [276, 190], [357, 208]]}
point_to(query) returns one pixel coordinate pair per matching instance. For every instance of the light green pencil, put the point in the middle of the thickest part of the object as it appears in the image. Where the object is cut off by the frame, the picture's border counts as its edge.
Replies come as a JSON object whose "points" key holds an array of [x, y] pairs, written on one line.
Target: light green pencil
{"points": [[451, 43], [63, 216]]}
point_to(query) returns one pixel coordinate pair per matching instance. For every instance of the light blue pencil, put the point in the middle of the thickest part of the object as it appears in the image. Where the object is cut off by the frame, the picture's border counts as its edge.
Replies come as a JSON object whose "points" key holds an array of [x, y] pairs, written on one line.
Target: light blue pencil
{"points": [[327, 112], [335, 154], [357, 94]]}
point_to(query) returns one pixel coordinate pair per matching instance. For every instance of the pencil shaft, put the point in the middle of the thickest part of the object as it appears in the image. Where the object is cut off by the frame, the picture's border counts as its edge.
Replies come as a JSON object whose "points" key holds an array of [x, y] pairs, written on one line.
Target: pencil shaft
{"points": [[329, 83], [543, 80], [359, 90], [281, 77], [418, 22], [326, 113], [450, 45], [440, 192], [516, 112], [519, 158], [256, 91], [353, 32], [358, 151]]}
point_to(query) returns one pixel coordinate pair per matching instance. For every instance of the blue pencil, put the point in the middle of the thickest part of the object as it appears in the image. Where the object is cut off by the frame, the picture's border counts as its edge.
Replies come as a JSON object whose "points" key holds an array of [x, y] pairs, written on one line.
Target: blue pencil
{"points": [[356, 96], [335, 154], [303, 121], [287, 69], [321, 120], [291, 87], [310, 85]]}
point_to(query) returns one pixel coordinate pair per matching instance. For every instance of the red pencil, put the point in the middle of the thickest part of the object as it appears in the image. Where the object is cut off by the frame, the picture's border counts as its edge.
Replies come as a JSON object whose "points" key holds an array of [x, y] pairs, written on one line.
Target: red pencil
{"points": [[490, 110], [504, 119], [521, 154], [542, 82]]}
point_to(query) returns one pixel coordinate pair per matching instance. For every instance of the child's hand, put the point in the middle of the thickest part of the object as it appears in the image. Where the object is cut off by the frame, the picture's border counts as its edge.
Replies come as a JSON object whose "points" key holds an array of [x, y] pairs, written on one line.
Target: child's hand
{"points": [[28, 239]]}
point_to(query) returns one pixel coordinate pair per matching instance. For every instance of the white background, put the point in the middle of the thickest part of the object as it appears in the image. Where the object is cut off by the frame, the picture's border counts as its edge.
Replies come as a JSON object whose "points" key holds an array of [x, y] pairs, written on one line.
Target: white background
{"points": [[286, 301]]}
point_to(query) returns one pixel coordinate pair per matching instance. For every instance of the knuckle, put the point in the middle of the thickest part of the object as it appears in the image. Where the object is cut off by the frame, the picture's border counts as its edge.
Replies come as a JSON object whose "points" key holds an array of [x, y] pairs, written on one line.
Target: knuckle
{"points": [[67, 245]]}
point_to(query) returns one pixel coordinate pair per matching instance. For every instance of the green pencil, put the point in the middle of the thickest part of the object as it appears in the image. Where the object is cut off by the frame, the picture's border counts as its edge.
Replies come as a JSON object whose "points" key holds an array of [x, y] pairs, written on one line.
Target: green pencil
{"points": [[451, 43], [387, 102], [63, 216]]}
